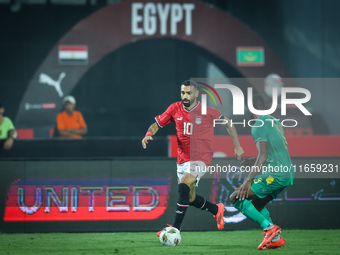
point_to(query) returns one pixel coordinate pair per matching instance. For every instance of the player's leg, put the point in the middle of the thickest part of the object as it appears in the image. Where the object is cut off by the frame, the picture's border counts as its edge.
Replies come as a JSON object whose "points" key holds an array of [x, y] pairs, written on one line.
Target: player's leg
{"points": [[260, 205], [195, 199], [184, 186], [263, 189], [249, 210], [260, 189], [183, 195], [200, 202]]}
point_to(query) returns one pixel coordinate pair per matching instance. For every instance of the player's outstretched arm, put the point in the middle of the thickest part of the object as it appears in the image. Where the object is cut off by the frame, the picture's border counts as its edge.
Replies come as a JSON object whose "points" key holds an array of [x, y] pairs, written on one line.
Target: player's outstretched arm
{"points": [[148, 136], [233, 133]]}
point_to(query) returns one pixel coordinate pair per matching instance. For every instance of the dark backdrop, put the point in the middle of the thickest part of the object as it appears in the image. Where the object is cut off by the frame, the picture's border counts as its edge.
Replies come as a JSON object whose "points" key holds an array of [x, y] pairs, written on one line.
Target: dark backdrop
{"points": [[302, 33], [148, 80]]}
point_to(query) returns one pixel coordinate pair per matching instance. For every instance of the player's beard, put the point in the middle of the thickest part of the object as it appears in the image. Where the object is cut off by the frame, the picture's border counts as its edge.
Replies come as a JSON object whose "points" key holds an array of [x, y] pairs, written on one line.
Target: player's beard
{"points": [[186, 104]]}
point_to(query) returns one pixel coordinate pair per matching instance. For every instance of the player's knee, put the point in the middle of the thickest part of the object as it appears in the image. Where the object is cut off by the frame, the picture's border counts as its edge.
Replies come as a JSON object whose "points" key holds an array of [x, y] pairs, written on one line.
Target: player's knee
{"points": [[183, 188], [188, 179], [258, 204], [233, 197], [192, 198], [259, 208]]}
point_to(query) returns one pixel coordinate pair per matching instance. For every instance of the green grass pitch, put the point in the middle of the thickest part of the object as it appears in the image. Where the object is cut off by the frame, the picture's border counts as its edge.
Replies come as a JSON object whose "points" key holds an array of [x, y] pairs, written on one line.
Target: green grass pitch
{"points": [[225, 242]]}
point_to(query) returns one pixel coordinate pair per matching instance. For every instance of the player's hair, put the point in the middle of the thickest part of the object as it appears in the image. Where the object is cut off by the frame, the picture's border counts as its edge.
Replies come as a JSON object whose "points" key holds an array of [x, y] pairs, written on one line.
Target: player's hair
{"points": [[189, 83], [258, 102]]}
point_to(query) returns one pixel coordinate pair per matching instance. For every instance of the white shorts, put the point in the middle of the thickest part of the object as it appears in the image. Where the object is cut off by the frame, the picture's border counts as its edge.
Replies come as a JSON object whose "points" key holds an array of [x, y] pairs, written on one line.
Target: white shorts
{"points": [[195, 168]]}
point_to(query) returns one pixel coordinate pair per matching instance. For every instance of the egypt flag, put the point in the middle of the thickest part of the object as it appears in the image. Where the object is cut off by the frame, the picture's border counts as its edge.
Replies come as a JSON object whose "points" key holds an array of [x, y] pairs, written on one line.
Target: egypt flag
{"points": [[73, 54]]}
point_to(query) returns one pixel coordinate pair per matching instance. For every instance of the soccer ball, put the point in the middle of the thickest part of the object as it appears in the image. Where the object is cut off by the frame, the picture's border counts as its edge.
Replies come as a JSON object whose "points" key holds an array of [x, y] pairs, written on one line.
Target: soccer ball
{"points": [[170, 236]]}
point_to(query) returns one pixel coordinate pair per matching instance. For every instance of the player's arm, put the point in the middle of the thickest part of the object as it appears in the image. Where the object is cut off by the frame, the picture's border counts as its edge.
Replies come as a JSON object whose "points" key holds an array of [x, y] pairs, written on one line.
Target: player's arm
{"points": [[10, 140], [148, 136], [233, 133], [256, 169], [260, 161]]}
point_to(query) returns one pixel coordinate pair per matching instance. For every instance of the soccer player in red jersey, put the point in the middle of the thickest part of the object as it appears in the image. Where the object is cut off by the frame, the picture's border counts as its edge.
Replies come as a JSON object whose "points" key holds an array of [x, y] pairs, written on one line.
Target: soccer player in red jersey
{"points": [[194, 132]]}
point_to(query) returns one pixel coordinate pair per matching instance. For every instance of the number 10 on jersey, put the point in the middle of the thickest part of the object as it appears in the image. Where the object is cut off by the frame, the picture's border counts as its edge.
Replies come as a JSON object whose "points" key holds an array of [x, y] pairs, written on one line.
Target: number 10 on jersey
{"points": [[188, 128]]}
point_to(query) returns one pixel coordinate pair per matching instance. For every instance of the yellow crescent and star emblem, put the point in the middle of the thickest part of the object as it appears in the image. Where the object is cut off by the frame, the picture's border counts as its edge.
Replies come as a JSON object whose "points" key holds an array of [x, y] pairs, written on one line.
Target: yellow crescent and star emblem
{"points": [[250, 56]]}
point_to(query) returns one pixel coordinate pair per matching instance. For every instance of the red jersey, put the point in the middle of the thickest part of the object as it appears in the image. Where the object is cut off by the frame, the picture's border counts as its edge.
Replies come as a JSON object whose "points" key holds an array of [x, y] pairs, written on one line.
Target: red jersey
{"points": [[194, 131]]}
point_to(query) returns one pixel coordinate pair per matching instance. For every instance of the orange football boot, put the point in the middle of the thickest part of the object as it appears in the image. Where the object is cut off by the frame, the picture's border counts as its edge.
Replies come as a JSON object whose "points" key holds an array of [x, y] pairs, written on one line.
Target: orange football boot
{"points": [[269, 235], [275, 245], [219, 216]]}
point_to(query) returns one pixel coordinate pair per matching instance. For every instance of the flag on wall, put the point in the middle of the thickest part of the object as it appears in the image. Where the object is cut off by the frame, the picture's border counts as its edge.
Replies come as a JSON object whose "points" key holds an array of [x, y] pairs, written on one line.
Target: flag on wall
{"points": [[250, 56], [73, 54]]}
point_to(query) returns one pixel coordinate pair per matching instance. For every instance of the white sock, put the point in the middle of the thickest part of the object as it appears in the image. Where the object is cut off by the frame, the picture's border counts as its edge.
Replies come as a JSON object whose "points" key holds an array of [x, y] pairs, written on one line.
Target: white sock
{"points": [[270, 226]]}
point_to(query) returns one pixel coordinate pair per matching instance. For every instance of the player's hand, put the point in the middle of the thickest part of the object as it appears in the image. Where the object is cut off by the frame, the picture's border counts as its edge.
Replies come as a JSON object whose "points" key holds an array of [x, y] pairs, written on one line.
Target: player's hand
{"points": [[249, 161], [8, 144], [243, 190], [239, 152], [145, 140]]}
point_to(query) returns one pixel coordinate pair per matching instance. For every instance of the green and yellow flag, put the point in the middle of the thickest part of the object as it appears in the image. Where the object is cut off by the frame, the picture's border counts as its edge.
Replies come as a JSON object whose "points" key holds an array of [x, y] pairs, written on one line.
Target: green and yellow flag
{"points": [[250, 56]]}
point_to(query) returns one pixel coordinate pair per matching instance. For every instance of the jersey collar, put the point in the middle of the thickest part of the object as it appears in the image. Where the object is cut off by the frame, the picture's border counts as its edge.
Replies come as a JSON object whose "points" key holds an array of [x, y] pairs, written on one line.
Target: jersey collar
{"points": [[198, 102]]}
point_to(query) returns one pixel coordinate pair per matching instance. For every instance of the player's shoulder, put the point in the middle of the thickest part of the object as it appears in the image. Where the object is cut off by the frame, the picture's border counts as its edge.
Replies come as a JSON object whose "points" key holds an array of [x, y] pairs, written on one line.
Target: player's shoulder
{"points": [[267, 117], [213, 111], [264, 118], [176, 106], [260, 124], [268, 120]]}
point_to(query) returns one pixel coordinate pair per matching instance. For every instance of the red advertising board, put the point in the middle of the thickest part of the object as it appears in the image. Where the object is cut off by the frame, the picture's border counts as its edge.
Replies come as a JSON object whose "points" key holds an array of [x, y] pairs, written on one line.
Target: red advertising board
{"points": [[132, 198]]}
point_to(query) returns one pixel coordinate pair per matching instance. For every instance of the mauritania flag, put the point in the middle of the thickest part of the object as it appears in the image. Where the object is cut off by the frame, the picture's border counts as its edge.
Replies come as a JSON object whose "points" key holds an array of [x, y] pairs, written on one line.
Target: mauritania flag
{"points": [[73, 54], [250, 56]]}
